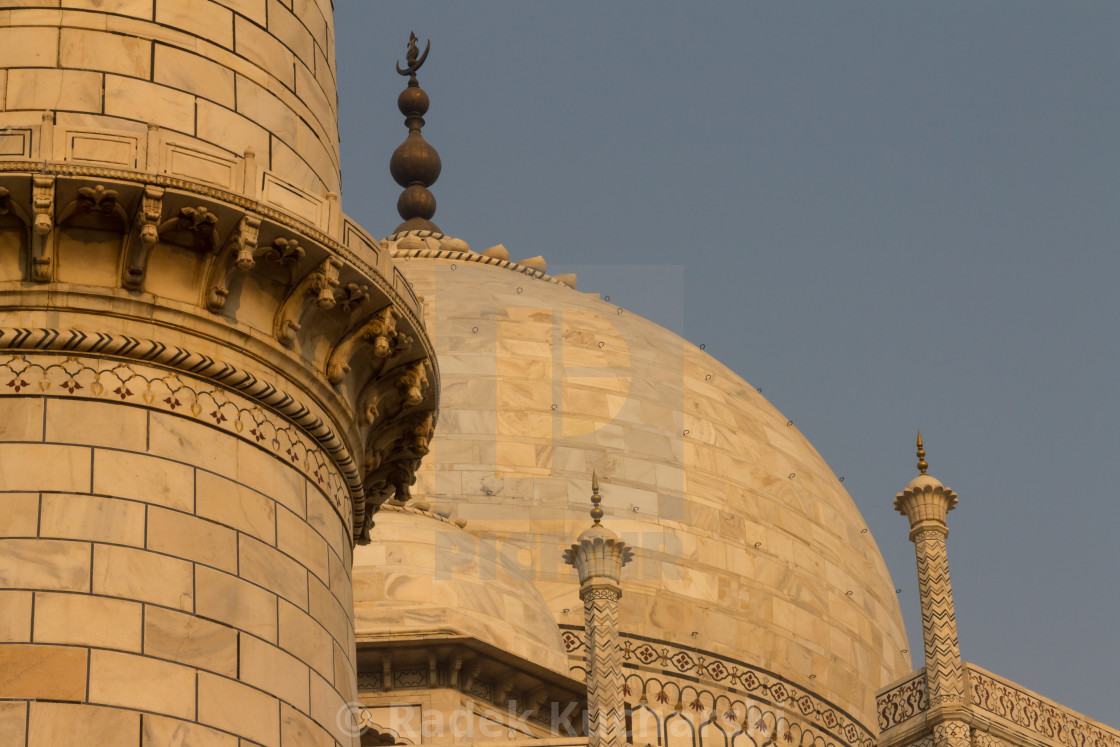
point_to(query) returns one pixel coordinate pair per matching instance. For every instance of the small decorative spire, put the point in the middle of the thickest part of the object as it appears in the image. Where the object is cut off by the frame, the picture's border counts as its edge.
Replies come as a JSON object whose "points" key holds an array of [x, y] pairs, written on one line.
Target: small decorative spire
{"points": [[415, 164], [596, 499], [922, 465]]}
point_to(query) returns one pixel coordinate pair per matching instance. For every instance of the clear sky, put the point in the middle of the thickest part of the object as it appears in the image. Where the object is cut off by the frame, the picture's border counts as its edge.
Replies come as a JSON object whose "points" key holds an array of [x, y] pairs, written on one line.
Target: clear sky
{"points": [[887, 215]]}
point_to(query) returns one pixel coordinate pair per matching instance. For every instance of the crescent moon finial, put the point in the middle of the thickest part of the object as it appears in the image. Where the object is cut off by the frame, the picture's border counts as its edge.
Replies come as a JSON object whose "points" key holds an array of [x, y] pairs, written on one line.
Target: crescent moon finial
{"points": [[413, 58]]}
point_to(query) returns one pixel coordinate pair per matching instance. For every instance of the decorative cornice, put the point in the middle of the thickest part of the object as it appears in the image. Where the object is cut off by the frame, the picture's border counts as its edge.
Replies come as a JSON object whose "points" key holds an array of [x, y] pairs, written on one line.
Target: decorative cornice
{"points": [[407, 255], [63, 169]]}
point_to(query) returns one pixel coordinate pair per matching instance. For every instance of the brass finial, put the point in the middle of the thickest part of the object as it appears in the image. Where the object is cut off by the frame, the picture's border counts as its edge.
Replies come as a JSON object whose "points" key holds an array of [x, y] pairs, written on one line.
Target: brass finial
{"points": [[414, 64], [922, 465], [596, 499], [415, 164]]}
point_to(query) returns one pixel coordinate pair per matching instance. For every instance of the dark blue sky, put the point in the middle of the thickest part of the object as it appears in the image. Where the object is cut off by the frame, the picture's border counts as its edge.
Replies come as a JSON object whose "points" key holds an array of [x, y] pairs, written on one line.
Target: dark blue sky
{"points": [[887, 215]]}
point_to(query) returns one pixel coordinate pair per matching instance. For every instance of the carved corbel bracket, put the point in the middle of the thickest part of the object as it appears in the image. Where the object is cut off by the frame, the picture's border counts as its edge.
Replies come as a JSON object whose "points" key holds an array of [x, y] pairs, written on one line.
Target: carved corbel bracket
{"points": [[378, 333], [236, 255], [413, 383], [42, 226], [96, 200], [381, 402], [393, 455], [372, 401], [145, 234], [319, 284]]}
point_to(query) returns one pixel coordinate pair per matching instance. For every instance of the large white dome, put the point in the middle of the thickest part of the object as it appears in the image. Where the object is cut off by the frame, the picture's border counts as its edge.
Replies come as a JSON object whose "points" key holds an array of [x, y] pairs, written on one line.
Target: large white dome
{"points": [[747, 545]]}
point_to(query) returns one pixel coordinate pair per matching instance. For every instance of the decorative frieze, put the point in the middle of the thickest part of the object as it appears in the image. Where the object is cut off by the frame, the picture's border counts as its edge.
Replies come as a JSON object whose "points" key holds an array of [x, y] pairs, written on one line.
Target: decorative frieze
{"points": [[1026, 711], [902, 703], [717, 679], [255, 411]]}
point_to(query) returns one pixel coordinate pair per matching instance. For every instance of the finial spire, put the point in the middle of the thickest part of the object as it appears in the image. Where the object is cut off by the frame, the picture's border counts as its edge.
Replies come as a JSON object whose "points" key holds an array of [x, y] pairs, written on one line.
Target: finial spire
{"points": [[596, 499], [415, 164], [922, 464]]}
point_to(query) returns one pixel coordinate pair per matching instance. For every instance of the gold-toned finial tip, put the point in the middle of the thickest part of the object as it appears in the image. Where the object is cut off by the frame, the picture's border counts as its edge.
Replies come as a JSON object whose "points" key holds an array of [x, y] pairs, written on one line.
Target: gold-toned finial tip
{"points": [[922, 464], [596, 499]]}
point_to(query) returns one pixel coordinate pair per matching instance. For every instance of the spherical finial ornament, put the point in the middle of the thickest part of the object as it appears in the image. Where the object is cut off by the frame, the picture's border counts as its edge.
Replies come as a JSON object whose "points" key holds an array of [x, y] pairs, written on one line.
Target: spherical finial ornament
{"points": [[596, 499], [922, 464], [415, 164]]}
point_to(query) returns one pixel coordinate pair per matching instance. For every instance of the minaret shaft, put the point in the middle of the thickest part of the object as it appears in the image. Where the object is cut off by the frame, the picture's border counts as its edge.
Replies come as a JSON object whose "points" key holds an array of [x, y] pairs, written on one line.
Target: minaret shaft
{"points": [[926, 503], [939, 622], [605, 706]]}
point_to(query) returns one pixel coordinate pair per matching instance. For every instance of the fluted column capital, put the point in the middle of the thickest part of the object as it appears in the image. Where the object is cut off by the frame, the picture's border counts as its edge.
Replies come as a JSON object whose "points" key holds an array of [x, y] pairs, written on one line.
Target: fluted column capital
{"points": [[926, 502], [598, 556]]}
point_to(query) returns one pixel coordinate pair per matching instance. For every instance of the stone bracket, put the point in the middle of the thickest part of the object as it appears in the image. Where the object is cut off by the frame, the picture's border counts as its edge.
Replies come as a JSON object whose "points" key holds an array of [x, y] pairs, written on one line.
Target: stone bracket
{"points": [[379, 402], [414, 383], [319, 284], [237, 254], [145, 234], [42, 202], [378, 333]]}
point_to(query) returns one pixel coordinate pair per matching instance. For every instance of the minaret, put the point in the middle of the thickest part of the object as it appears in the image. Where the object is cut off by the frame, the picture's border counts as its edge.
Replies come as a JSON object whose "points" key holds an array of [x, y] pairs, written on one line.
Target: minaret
{"points": [[415, 164], [210, 378], [598, 556], [925, 502]]}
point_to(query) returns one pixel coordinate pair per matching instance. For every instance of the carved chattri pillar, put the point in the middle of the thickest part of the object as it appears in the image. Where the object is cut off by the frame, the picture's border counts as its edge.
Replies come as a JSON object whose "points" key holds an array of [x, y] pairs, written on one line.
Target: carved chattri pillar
{"points": [[209, 378], [926, 502], [598, 556]]}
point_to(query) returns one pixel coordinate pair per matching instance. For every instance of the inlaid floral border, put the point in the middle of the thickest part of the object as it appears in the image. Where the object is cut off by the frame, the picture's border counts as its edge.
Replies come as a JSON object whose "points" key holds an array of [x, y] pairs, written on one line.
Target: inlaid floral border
{"points": [[102, 379], [1034, 714]]}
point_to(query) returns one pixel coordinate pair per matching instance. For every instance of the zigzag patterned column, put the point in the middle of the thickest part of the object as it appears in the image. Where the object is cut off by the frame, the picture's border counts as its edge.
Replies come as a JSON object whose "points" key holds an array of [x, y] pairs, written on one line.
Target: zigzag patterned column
{"points": [[939, 624], [598, 557], [926, 502], [605, 706]]}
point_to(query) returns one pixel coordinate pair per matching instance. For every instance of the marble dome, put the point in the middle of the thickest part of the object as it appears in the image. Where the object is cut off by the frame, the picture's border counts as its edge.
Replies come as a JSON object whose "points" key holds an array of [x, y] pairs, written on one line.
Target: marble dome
{"points": [[747, 545], [423, 576]]}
